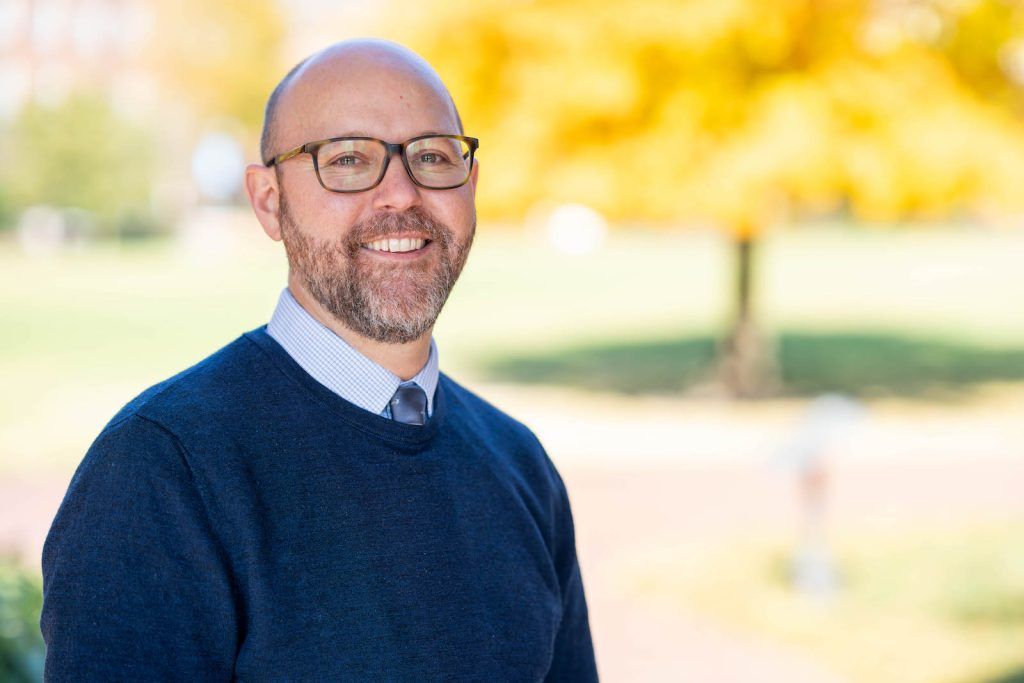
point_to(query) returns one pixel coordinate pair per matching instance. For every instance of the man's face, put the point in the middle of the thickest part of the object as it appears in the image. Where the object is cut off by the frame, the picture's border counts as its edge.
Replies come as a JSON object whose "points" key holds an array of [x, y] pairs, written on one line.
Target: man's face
{"points": [[390, 297]]}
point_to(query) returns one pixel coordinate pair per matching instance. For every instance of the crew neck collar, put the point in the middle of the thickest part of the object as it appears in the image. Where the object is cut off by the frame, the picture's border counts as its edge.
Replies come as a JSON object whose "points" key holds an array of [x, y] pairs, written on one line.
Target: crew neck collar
{"points": [[391, 430]]}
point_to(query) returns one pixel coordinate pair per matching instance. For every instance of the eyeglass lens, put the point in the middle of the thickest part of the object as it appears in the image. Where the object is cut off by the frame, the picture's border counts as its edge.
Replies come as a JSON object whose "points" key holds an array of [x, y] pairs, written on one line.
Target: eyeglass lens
{"points": [[352, 165]]}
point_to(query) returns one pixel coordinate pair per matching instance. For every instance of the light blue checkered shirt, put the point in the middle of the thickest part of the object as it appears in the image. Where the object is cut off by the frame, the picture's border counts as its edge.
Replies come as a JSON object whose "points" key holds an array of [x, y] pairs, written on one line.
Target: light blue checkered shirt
{"points": [[333, 362]]}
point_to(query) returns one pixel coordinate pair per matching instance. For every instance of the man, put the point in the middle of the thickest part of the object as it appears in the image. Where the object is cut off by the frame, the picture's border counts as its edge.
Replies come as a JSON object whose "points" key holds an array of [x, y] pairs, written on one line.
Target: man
{"points": [[315, 501]]}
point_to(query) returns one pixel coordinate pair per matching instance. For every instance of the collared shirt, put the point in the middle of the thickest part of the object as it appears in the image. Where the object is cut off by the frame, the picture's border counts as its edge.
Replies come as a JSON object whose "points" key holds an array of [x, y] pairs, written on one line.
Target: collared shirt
{"points": [[333, 362]]}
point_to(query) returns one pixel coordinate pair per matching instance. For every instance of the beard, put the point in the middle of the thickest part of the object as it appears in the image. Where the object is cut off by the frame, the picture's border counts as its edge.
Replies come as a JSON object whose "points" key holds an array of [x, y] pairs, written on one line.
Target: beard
{"points": [[393, 303]]}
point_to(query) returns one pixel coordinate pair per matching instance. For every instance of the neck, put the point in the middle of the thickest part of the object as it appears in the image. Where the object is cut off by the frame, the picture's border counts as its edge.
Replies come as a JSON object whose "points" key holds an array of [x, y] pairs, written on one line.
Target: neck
{"points": [[404, 360]]}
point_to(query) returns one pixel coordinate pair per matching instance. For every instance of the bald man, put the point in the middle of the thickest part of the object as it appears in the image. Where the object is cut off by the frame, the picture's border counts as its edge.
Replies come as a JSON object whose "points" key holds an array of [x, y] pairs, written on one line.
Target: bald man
{"points": [[316, 501]]}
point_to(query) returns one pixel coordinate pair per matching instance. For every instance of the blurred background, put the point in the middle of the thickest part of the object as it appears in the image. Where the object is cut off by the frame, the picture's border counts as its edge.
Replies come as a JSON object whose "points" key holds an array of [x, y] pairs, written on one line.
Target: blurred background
{"points": [[751, 269]]}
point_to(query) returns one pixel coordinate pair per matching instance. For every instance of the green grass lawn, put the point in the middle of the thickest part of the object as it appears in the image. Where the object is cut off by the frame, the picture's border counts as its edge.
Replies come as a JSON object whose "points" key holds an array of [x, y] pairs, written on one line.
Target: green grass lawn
{"points": [[83, 331]]}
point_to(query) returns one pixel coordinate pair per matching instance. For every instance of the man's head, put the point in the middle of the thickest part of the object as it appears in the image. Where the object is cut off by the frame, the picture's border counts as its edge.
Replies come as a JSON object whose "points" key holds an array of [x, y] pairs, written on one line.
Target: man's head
{"points": [[381, 90]]}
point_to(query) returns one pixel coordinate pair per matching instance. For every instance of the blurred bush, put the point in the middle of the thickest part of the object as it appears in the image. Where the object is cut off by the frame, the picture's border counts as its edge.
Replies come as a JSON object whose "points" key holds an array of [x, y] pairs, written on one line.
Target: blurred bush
{"points": [[21, 644], [80, 155], [6, 210]]}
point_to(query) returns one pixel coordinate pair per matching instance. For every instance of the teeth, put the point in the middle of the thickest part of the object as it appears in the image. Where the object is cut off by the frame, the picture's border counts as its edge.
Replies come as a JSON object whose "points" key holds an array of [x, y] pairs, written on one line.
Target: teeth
{"points": [[397, 245]]}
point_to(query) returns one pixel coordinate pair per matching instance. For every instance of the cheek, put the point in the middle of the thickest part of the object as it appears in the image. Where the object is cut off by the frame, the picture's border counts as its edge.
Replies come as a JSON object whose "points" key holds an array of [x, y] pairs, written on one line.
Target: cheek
{"points": [[457, 212], [320, 212], [331, 220]]}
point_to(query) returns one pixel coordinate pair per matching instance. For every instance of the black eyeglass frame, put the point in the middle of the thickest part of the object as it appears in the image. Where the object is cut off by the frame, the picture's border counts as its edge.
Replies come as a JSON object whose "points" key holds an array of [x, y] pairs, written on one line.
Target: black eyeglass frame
{"points": [[312, 148]]}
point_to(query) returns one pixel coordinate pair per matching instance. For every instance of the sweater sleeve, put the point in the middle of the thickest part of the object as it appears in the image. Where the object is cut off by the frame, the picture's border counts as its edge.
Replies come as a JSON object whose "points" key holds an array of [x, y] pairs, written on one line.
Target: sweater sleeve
{"points": [[573, 660], [135, 584]]}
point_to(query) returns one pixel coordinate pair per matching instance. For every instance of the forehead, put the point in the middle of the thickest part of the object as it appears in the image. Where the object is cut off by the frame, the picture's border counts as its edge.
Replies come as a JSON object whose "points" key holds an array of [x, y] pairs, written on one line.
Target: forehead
{"points": [[381, 98]]}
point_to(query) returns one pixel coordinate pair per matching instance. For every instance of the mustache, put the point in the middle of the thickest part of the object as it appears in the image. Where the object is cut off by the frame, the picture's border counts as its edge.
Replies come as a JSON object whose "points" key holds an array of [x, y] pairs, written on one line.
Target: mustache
{"points": [[388, 223]]}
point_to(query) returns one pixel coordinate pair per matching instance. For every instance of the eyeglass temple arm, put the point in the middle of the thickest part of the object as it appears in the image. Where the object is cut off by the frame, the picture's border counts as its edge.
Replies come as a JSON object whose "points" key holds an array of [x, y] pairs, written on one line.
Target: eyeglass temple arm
{"points": [[286, 156]]}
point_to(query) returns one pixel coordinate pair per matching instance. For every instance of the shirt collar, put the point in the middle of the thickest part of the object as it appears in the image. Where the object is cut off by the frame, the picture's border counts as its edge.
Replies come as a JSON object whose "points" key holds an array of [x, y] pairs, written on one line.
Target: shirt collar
{"points": [[333, 362]]}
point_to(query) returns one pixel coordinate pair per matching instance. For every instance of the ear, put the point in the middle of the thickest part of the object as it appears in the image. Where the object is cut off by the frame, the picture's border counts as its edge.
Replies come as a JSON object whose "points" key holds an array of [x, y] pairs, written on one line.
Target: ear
{"points": [[265, 196], [473, 174]]}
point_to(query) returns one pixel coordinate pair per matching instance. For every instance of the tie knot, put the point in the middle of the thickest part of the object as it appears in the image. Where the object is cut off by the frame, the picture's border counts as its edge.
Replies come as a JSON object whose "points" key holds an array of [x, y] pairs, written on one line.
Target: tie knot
{"points": [[409, 405]]}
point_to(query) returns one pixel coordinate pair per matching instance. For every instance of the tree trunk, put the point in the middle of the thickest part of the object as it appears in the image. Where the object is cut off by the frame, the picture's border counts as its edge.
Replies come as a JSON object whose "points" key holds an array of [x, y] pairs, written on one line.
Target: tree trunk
{"points": [[747, 366]]}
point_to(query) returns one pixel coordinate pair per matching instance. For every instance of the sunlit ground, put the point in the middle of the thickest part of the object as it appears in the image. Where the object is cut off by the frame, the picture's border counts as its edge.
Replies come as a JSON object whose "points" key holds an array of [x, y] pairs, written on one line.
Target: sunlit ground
{"points": [[605, 355], [916, 606]]}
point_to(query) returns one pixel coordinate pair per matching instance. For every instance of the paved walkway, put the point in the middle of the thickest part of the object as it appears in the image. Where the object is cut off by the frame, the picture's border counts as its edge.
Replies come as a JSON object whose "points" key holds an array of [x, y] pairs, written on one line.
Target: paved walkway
{"points": [[621, 515]]}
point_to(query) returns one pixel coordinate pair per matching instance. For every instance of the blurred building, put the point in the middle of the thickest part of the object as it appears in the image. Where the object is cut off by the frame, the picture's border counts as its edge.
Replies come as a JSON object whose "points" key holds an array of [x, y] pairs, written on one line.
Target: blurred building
{"points": [[48, 48]]}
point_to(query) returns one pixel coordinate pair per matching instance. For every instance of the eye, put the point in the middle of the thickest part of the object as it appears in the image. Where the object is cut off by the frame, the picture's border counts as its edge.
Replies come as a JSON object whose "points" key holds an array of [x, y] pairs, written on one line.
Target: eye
{"points": [[431, 158], [345, 160]]}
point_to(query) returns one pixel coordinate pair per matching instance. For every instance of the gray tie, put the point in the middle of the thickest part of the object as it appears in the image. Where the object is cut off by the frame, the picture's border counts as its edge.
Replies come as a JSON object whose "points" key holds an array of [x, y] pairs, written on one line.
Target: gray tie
{"points": [[409, 405]]}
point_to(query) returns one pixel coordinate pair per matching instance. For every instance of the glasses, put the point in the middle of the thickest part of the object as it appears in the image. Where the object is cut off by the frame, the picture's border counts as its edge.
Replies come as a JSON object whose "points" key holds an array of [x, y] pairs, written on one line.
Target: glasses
{"points": [[356, 164]]}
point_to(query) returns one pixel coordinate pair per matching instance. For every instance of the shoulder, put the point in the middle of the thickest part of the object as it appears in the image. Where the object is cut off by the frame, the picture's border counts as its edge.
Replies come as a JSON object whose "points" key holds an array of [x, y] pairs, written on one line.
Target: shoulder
{"points": [[131, 466], [221, 381], [466, 405], [128, 454], [497, 427]]}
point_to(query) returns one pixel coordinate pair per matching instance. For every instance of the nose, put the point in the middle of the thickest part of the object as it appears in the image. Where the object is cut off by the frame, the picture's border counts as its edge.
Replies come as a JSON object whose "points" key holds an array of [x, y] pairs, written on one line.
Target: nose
{"points": [[396, 191]]}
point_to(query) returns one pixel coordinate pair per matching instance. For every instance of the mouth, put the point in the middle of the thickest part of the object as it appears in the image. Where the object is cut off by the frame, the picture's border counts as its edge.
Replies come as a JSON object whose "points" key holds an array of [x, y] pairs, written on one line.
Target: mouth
{"points": [[398, 246]]}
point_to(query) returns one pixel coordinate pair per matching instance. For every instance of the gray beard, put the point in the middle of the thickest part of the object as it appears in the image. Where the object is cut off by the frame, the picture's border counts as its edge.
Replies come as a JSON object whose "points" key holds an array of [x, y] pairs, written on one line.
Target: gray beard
{"points": [[392, 304]]}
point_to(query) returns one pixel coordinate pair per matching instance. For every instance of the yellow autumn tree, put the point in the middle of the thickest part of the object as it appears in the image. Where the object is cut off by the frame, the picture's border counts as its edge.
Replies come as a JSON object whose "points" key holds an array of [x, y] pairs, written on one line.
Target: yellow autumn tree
{"points": [[744, 113]]}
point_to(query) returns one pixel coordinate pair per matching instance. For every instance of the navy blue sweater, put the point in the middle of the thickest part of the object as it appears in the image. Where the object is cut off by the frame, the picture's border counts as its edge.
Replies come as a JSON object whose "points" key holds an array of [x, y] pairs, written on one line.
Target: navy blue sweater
{"points": [[241, 521]]}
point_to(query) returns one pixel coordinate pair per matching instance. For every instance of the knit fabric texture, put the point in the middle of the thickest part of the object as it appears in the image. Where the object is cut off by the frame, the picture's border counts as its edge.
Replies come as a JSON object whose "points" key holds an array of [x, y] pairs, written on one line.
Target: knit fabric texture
{"points": [[240, 521]]}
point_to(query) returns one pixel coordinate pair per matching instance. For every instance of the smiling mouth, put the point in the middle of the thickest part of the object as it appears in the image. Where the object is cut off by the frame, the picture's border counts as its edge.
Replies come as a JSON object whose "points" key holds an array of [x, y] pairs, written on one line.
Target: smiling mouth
{"points": [[397, 245]]}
